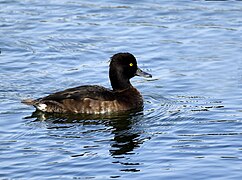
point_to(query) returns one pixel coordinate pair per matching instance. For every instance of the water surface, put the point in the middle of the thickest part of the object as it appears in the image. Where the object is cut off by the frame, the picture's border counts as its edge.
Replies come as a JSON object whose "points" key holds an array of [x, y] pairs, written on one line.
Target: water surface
{"points": [[191, 123]]}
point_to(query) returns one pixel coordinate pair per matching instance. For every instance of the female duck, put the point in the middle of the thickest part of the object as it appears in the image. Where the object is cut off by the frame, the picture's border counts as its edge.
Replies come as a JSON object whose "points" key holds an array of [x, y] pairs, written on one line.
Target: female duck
{"points": [[96, 99]]}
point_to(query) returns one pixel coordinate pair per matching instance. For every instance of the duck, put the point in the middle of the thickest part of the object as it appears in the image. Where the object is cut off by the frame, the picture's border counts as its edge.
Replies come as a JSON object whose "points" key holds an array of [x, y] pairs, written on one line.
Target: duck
{"points": [[94, 99]]}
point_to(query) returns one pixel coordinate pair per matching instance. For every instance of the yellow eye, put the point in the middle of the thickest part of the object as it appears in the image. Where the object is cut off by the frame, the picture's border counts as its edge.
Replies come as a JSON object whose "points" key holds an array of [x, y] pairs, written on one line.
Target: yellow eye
{"points": [[131, 64]]}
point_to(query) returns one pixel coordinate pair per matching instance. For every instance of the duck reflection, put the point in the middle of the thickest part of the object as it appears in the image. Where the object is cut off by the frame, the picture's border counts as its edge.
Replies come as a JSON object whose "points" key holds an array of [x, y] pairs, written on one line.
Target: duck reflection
{"points": [[126, 138], [124, 127]]}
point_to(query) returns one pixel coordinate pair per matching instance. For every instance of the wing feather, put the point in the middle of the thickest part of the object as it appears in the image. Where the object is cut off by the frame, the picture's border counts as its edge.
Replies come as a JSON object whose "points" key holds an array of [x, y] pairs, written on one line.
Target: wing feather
{"points": [[81, 92]]}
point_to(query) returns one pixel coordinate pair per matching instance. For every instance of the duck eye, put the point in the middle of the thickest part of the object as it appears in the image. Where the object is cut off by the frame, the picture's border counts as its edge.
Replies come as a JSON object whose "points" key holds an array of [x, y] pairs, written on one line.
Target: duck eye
{"points": [[130, 64]]}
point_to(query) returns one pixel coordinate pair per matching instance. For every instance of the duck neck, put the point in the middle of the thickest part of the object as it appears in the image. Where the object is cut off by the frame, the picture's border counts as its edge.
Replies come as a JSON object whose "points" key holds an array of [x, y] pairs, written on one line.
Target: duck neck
{"points": [[119, 87], [119, 83]]}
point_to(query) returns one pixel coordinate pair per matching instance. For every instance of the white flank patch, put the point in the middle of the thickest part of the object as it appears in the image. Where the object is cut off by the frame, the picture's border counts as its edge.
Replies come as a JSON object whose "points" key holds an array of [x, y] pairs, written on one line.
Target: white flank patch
{"points": [[41, 107]]}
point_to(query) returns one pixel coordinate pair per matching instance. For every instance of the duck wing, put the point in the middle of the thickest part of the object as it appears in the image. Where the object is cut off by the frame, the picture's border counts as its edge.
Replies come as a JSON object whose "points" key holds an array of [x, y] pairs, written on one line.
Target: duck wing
{"points": [[81, 99], [80, 93]]}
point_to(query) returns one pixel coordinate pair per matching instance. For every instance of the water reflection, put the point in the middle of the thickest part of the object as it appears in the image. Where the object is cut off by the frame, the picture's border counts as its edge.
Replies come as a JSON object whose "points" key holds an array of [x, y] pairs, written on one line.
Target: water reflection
{"points": [[125, 128]]}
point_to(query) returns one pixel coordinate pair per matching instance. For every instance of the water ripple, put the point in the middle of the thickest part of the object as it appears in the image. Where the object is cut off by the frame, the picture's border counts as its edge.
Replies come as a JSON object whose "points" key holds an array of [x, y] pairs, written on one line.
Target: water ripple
{"points": [[192, 111]]}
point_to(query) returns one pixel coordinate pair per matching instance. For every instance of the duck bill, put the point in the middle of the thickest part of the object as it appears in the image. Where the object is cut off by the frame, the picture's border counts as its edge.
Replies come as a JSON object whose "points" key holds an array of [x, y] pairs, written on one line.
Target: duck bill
{"points": [[139, 72]]}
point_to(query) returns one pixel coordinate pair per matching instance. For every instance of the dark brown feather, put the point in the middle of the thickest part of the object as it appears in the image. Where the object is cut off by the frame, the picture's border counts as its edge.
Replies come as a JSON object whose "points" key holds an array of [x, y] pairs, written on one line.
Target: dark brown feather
{"points": [[91, 100], [96, 99], [81, 92]]}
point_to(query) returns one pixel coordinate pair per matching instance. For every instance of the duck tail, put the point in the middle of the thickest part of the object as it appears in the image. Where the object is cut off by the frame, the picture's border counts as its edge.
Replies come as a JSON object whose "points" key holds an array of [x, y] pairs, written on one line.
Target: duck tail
{"points": [[29, 101]]}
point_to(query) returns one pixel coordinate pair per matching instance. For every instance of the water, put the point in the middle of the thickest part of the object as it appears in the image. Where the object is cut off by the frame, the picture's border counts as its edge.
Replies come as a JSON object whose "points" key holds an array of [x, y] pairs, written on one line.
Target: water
{"points": [[191, 124]]}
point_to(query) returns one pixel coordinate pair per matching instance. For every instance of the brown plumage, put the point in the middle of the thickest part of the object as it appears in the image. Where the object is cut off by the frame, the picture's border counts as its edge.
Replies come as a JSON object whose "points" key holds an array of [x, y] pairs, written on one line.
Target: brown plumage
{"points": [[96, 99]]}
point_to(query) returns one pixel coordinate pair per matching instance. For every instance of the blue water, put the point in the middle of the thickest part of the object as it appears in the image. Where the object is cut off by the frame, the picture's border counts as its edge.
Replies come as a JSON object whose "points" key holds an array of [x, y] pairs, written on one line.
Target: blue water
{"points": [[191, 126]]}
